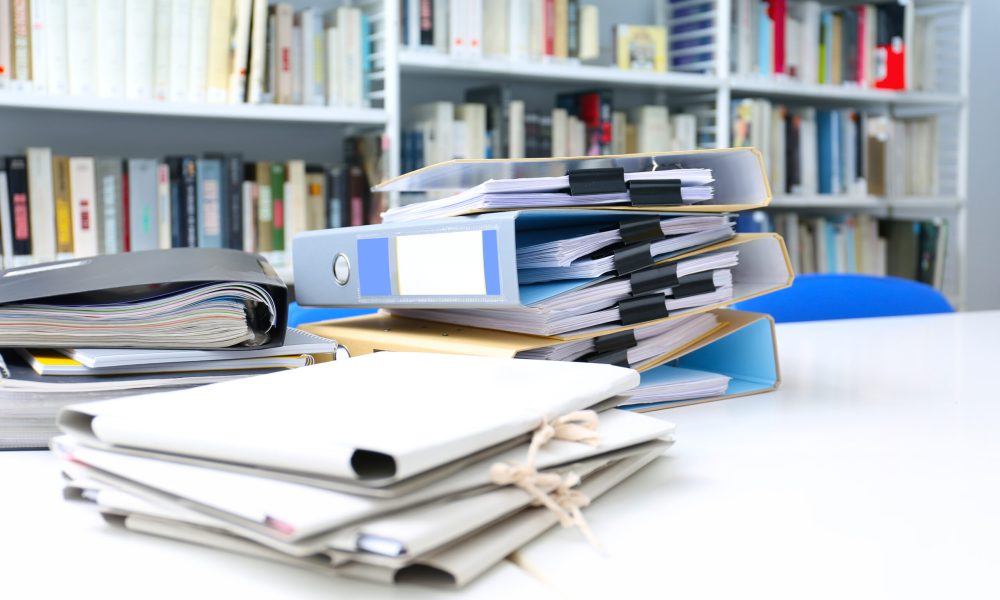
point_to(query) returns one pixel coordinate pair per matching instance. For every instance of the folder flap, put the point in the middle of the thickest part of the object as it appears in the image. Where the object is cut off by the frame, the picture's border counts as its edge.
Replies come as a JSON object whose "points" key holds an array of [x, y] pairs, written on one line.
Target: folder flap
{"points": [[386, 332], [740, 179]]}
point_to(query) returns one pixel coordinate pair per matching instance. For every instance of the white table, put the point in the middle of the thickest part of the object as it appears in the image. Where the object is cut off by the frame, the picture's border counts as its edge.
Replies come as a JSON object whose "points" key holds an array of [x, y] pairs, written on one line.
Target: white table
{"points": [[873, 472]]}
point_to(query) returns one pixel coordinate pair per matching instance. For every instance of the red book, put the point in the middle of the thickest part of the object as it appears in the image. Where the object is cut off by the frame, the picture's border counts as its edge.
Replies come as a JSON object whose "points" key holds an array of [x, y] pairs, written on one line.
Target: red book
{"points": [[777, 10], [890, 48], [550, 27], [127, 245]]}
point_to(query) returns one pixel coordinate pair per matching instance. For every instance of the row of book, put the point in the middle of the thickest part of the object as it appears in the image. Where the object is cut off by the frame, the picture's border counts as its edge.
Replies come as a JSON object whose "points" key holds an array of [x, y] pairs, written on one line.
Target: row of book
{"points": [[215, 51], [491, 124], [61, 206], [527, 30], [866, 45], [862, 243], [851, 152]]}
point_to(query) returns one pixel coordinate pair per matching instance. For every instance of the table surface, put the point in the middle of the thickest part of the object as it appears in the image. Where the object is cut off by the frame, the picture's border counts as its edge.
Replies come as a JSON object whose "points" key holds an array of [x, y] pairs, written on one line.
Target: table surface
{"points": [[872, 472]]}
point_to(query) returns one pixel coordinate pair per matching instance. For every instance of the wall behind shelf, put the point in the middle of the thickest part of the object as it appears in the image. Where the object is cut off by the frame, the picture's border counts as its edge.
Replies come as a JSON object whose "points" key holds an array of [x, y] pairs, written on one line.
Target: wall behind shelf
{"points": [[983, 244]]}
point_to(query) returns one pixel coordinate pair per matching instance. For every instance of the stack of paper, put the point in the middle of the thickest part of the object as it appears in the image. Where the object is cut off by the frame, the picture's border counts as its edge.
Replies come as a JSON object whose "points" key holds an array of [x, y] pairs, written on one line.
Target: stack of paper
{"points": [[433, 474], [606, 259]]}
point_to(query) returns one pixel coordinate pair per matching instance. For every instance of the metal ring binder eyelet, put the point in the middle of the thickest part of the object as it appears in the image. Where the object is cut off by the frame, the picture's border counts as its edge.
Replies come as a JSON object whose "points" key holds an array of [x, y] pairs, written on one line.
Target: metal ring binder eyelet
{"points": [[341, 269]]}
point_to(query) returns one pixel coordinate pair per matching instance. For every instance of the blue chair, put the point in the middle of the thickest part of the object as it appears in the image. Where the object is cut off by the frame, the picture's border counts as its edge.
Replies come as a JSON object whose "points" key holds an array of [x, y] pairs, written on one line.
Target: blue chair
{"points": [[826, 296], [299, 315]]}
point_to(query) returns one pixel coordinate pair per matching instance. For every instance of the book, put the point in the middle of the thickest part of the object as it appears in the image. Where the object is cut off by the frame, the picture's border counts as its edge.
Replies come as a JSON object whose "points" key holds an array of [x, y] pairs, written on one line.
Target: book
{"points": [[162, 40], [56, 50], [220, 50], [20, 206], [211, 217], [111, 231], [198, 53], [143, 198], [85, 209], [63, 206], [640, 47], [265, 208], [164, 210], [80, 47], [181, 42], [276, 182], [140, 48], [42, 202], [109, 38]]}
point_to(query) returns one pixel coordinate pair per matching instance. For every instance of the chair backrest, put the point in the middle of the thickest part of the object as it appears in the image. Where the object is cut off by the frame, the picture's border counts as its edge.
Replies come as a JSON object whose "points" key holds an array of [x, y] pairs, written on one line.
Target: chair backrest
{"points": [[828, 296], [299, 315]]}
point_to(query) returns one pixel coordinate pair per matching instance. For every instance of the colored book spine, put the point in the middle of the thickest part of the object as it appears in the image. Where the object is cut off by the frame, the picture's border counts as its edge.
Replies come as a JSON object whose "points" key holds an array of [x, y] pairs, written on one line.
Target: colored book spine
{"points": [[83, 195], [163, 208], [210, 220], [20, 209], [278, 206], [63, 205]]}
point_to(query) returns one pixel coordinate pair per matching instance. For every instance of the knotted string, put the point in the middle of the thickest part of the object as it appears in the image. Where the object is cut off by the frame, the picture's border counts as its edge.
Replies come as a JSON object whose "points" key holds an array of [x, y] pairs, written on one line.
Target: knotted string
{"points": [[549, 489]]}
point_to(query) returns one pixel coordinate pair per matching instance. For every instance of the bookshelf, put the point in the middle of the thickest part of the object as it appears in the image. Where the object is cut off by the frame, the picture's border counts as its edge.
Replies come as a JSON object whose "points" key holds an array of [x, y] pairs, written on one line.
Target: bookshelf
{"points": [[403, 76]]}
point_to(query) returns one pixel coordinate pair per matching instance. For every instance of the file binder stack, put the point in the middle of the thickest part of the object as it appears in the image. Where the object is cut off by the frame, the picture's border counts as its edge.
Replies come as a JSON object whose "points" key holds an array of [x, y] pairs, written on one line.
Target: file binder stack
{"points": [[431, 475], [130, 323], [619, 259]]}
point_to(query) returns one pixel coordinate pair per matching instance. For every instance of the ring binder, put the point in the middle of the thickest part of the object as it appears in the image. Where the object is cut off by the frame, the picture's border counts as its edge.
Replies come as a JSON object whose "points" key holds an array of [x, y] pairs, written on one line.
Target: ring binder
{"points": [[655, 192], [643, 308], [621, 340], [641, 230], [656, 278], [588, 182], [632, 258]]}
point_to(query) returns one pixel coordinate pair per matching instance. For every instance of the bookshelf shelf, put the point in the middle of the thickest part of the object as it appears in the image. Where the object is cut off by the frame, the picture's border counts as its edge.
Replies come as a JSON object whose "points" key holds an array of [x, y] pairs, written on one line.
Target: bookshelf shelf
{"points": [[816, 92], [237, 112], [429, 62], [833, 202]]}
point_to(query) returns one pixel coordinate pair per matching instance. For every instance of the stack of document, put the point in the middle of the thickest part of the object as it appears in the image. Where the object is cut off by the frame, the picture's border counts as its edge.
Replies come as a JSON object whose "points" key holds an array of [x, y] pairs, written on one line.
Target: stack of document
{"points": [[431, 475], [619, 259], [138, 322]]}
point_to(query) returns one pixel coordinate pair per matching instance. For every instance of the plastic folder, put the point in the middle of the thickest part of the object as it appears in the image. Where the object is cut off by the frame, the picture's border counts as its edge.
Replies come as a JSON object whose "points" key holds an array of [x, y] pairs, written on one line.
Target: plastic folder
{"points": [[740, 180]]}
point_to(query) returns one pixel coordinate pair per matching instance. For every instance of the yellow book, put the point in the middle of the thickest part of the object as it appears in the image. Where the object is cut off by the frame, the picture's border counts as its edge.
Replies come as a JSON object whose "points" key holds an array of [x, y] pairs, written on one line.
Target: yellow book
{"points": [[64, 205], [561, 29], [836, 59], [219, 55], [641, 47]]}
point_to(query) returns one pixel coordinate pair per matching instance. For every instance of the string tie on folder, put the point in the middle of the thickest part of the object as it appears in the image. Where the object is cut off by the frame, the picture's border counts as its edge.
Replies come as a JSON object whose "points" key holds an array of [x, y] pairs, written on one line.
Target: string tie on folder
{"points": [[549, 489]]}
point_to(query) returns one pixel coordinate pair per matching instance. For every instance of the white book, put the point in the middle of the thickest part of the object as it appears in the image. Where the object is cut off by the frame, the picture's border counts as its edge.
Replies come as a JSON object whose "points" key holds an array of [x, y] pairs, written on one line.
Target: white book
{"points": [[474, 27], [42, 205], [140, 42], [560, 132], [684, 128], [412, 9], [219, 62], [6, 229], [249, 198], [56, 52], [241, 47], [495, 37], [39, 54], [436, 120], [83, 197], [307, 49], [519, 32], [536, 29], [180, 51], [319, 60], [161, 49], [80, 43], [258, 52], [652, 129], [515, 135], [323, 435], [110, 44], [456, 27], [333, 67], [5, 62], [296, 212], [349, 28], [163, 216], [197, 83], [296, 63]]}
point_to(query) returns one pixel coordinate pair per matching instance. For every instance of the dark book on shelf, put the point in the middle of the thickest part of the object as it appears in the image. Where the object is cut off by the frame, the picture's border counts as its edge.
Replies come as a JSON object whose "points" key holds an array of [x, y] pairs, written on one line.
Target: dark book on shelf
{"points": [[793, 172], [265, 207], [231, 195], [573, 28], [903, 248], [183, 201], [20, 207], [426, 22], [336, 201]]}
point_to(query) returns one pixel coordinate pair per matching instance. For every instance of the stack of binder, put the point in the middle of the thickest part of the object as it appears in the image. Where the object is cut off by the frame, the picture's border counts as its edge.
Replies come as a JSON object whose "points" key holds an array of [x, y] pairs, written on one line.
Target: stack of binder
{"points": [[342, 469], [625, 260], [137, 322]]}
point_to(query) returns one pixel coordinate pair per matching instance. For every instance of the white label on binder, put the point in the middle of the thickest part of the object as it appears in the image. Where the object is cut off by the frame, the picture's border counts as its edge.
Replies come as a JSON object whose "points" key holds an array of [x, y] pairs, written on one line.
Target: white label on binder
{"points": [[441, 264]]}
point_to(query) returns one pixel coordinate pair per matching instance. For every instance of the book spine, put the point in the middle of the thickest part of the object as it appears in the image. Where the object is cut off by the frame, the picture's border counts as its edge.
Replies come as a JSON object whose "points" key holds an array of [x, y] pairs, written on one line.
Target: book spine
{"points": [[110, 44], [335, 198], [333, 89], [219, 51], [106, 199], [549, 31], [6, 232], [20, 24], [560, 29], [234, 189], [80, 43], [140, 40], [283, 40], [277, 207], [125, 209], [181, 26], [161, 49], [265, 208], [315, 200], [84, 203], [426, 22], [573, 28], [163, 207], [39, 46], [456, 27], [305, 62], [296, 211], [20, 208], [249, 200], [519, 29], [258, 52], [43, 206], [318, 41], [778, 15], [63, 206], [189, 199], [201, 21], [143, 201], [210, 220], [178, 218], [240, 51], [56, 51], [5, 54]]}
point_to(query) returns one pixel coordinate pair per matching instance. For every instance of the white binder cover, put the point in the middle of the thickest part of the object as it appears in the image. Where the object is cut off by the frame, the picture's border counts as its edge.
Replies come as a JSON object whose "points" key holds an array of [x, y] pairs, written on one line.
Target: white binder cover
{"points": [[375, 419]]}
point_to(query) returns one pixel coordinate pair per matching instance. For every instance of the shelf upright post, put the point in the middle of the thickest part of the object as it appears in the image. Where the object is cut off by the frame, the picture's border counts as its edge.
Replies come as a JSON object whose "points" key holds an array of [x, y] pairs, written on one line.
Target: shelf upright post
{"points": [[723, 33]]}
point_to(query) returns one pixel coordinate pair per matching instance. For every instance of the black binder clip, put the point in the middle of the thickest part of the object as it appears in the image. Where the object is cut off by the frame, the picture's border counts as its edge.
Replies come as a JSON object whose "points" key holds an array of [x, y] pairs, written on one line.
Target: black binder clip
{"points": [[641, 230], [613, 342], [619, 358], [632, 258], [588, 182], [656, 278], [640, 309], [693, 286], [655, 192]]}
